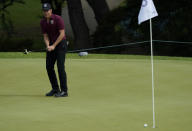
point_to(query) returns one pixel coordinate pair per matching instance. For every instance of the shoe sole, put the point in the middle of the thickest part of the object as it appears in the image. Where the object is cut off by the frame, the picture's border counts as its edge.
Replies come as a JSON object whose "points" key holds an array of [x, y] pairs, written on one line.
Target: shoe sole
{"points": [[51, 95], [62, 96]]}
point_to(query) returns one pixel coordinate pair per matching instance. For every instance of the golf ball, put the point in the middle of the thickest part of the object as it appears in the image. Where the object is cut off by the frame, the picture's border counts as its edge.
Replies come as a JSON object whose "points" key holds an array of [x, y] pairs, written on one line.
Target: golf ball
{"points": [[145, 125]]}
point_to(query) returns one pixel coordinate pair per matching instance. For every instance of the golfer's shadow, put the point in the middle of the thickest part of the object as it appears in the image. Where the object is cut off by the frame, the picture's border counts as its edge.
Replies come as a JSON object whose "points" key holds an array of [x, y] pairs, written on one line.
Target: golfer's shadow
{"points": [[21, 95]]}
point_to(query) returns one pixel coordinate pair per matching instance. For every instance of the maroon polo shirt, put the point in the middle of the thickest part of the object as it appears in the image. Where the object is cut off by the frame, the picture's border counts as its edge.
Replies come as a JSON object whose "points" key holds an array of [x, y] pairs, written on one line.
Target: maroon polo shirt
{"points": [[52, 28]]}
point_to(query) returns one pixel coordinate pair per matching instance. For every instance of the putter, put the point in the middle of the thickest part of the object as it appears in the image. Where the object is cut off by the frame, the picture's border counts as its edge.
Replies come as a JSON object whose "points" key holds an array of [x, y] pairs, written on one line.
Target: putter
{"points": [[27, 51]]}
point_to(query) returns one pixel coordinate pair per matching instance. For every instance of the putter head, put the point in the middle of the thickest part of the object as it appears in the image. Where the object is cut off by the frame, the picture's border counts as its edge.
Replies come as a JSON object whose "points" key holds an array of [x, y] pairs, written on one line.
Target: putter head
{"points": [[25, 51]]}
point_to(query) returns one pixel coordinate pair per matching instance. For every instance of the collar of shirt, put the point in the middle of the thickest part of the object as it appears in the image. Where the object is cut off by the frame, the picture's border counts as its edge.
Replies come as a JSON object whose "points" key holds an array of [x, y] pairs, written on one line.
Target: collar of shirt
{"points": [[52, 18]]}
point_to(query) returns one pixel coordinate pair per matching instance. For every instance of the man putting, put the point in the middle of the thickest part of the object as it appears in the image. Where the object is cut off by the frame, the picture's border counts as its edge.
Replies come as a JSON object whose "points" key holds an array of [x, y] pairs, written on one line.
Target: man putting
{"points": [[55, 40]]}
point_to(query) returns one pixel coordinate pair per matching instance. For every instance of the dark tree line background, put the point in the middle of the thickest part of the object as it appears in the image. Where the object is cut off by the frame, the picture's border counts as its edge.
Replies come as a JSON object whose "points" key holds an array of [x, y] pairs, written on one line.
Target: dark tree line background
{"points": [[120, 25], [172, 24], [6, 25]]}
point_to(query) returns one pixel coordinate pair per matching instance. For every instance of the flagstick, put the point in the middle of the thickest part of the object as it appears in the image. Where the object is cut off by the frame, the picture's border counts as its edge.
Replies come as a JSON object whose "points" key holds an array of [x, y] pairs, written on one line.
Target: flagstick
{"points": [[153, 97]]}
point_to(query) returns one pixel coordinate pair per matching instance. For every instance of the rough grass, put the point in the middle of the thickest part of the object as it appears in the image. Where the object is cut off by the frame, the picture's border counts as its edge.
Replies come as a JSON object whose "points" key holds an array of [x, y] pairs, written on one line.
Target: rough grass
{"points": [[90, 56], [25, 16]]}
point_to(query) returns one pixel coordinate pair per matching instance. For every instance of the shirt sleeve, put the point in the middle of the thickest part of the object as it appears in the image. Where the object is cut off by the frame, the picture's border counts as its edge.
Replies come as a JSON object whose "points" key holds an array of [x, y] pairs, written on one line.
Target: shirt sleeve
{"points": [[60, 24], [43, 29]]}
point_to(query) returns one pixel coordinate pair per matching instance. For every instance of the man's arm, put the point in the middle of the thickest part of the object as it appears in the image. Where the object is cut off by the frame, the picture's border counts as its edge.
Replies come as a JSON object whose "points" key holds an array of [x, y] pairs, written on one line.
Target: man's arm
{"points": [[46, 40], [59, 39]]}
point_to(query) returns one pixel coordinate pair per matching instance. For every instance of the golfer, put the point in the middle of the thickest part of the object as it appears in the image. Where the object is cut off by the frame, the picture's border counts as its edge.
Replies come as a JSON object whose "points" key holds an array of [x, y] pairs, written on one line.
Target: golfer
{"points": [[55, 40]]}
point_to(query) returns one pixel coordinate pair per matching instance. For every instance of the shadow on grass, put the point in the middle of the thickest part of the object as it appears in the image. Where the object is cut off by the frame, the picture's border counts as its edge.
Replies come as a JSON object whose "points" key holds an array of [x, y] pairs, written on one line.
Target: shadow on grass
{"points": [[22, 95]]}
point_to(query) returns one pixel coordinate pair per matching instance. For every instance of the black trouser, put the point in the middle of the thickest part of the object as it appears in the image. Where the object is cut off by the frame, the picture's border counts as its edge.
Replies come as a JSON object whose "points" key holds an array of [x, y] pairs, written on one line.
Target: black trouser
{"points": [[51, 57]]}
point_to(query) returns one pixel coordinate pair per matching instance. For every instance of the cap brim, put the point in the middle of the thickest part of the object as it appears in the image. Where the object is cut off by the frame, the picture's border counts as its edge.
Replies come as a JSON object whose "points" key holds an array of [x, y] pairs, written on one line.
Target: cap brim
{"points": [[46, 9]]}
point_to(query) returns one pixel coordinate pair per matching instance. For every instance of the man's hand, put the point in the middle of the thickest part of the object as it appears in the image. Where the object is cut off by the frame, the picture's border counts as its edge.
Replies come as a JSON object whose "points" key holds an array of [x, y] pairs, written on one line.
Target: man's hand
{"points": [[50, 48]]}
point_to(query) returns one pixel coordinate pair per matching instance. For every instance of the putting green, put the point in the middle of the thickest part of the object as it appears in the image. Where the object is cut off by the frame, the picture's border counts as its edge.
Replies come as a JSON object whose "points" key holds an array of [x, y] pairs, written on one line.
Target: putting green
{"points": [[104, 95]]}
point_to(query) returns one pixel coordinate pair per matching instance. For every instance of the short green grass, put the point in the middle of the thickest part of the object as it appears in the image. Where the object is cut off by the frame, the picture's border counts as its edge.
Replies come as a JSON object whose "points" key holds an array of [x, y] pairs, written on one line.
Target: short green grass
{"points": [[106, 93], [90, 56]]}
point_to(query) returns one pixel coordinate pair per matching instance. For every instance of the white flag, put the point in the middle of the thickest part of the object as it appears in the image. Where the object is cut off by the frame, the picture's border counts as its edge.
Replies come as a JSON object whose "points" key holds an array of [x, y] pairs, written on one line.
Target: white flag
{"points": [[147, 11]]}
